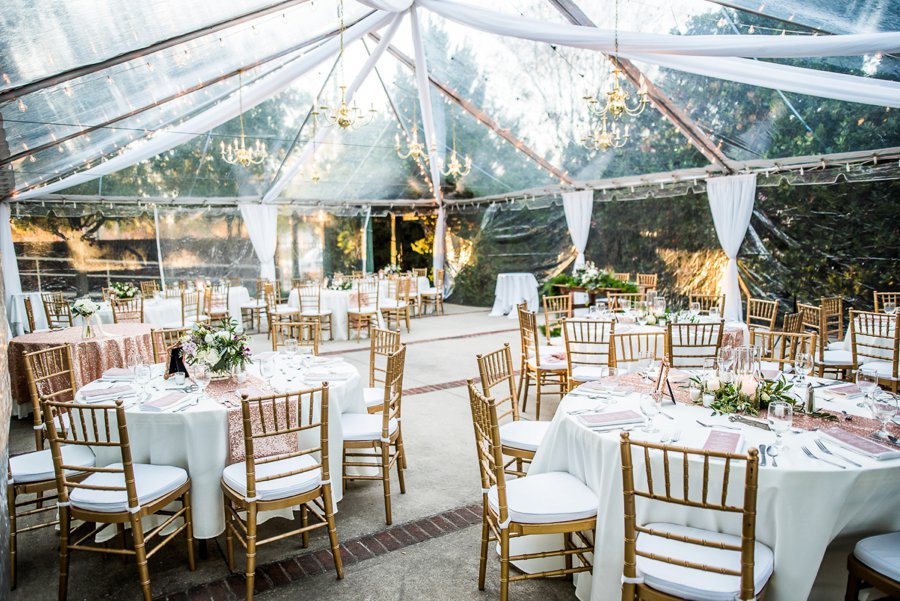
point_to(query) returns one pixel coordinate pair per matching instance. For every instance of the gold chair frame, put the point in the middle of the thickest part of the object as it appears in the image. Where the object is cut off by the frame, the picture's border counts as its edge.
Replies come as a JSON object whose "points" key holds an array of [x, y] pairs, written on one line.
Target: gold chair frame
{"points": [[782, 347], [761, 313], [627, 348], [164, 340], [310, 295], [401, 309], [793, 322], [51, 377], [29, 313], [874, 335], [622, 276], [556, 310], [587, 343], [191, 301], [149, 288], [647, 281], [127, 310], [57, 309], [304, 329], [531, 360], [382, 344], [859, 574], [814, 319], [215, 300], [884, 297], [681, 336], [436, 297], [614, 299], [366, 289], [708, 301]]}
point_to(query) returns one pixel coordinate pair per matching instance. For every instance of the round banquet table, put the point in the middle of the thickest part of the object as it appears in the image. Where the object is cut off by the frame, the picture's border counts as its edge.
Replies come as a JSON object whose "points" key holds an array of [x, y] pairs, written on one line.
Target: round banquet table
{"points": [[802, 505], [204, 438], [15, 312], [513, 288], [338, 302], [115, 346]]}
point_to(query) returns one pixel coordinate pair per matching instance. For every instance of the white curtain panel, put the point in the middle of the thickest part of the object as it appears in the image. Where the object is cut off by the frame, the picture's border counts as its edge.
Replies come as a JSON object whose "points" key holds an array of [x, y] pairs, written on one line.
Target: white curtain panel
{"points": [[731, 203], [394, 6], [11, 282], [262, 226], [578, 206], [440, 239]]}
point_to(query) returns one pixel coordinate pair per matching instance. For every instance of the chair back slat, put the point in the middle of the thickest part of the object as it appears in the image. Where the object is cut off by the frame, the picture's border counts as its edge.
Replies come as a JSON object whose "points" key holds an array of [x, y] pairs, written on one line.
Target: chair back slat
{"points": [[708, 301], [620, 301], [781, 348], [498, 381], [875, 337], [59, 314], [310, 294], [50, 376], [488, 446], [127, 310], [793, 322], [366, 296], [622, 276], [761, 313], [393, 390], [587, 342], [164, 340], [885, 297], [29, 313], [689, 344], [382, 345], [647, 280], [190, 306], [832, 318], [628, 348], [304, 329], [556, 309], [149, 288], [528, 334]]}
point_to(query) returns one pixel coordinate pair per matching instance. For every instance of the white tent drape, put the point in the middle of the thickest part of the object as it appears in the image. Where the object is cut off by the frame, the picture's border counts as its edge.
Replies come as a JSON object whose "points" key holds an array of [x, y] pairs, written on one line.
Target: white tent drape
{"points": [[731, 203], [262, 227], [578, 207], [11, 282]]}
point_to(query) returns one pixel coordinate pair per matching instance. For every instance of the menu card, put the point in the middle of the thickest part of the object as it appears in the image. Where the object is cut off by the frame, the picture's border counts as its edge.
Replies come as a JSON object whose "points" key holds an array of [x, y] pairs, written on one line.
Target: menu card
{"points": [[614, 418], [849, 390], [859, 444], [164, 402], [723, 442]]}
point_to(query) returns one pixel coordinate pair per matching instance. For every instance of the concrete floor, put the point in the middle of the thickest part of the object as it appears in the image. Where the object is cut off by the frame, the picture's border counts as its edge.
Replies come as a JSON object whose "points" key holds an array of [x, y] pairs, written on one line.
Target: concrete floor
{"points": [[442, 475]]}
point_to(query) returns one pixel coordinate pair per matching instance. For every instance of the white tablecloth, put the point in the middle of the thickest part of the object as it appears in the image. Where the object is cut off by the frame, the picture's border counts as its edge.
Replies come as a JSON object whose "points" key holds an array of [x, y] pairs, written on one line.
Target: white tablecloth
{"points": [[803, 505], [157, 312], [513, 288], [196, 440], [338, 302], [15, 312]]}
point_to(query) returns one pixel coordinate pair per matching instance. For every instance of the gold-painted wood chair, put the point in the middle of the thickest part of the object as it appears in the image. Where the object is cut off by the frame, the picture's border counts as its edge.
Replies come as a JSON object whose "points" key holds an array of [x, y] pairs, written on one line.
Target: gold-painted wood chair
{"points": [[420, 272], [520, 438], [191, 309], [120, 493], [411, 296], [173, 289], [761, 313], [547, 372], [833, 315], [304, 330], [549, 503], [647, 281], [396, 308], [382, 344], [556, 310], [434, 295], [300, 478], [127, 310], [708, 301], [59, 314], [275, 310], [375, 441], [51, 376], [666, 561], [149, 288], [29, 314], [625, 350], [885, 297], [164, 340], [106, 294], [793, 322], [690, 344], [362, 312], [252, 311], [779, 349], [829, 356], [875, 339], [622, 276], [215, 300], [873, 564], [357, 274], [310, 295], [620, 301], [587, 349]]}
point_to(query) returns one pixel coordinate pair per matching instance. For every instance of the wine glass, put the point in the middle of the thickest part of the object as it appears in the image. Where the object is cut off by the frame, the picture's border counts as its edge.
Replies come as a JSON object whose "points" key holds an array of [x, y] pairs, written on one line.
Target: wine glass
{"points": [[867, 382], [803, 364], [780, 418], [266, 370], [660, 304], [202, 378], [645, 360], [694, 309], [713, 313], [651, 405], [142, 378], [709, 366], [883, 405], [890, 307], [290, 348]]}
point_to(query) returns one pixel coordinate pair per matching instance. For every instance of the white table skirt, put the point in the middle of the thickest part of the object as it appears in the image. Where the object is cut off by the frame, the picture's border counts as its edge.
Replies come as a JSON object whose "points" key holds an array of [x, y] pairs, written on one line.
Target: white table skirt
{"points": [[338, 302], [802, 506], [15, 312], [513, 288]]}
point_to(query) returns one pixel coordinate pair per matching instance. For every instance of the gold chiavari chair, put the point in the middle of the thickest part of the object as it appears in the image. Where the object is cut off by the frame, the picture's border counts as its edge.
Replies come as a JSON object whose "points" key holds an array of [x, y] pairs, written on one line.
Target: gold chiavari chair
{"points": [[164, 340], [833, 314], [173, 289], [665, 561], [383, 344], [548, 373], [519, 438], [277, 290], [793, 322], [363, 309], [412, 297], [873, 564], [690, 344], [274, 311], [885, 297], [376, 441], [252, 310], [550, 503], [127, 310], [435, 294], [310, 294], [299, 478], [420, 272], [647, 281], [106, 294], [556, 310], [215, 299], [761, 313], [875, 339], [781, 348], [620, 301], [51, 376], [59, 314], [357, 274], [305, 330], [625, 350], [587, 349], [29, 313], [149, 288], [120, 493], [191, 303], [397, 308], [829, 356], [622, 276], [708, 301]]}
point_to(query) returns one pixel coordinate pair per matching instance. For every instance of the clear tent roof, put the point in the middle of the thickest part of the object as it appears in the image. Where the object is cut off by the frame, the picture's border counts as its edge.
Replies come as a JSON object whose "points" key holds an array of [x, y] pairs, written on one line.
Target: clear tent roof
{"points": [[530, 91]]}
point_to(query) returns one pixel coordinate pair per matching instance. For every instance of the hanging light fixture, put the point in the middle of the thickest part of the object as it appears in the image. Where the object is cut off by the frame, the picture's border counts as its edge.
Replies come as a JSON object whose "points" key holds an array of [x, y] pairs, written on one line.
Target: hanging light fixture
{"points": [[415, 150], [454, 167], [236, 151], [606, 137]]}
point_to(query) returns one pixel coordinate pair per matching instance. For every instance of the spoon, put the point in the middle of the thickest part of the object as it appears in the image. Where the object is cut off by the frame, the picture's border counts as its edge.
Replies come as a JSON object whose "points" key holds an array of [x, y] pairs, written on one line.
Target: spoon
{"points": [[772, 452]]}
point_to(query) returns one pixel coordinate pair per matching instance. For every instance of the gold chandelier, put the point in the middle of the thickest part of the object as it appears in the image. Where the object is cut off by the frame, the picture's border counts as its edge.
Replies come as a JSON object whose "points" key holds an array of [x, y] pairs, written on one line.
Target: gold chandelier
{"points": [[236, 151], [415, 150], [454, 167], [606, 137]]}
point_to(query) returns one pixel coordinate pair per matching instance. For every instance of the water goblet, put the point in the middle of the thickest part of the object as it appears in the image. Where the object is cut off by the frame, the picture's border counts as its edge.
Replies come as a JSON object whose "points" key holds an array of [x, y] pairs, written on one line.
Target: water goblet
{"points": [[803, 364], [780, 418], [714, 313], [890, 307], [645, 359], [867, 382], [267, 371], [202, 377], [142, 377], [883, 406], [726, 359], [651, 405]]}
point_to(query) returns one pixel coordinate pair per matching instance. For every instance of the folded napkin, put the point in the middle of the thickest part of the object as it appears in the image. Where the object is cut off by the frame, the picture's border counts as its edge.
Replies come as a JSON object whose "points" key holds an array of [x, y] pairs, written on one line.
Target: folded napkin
{"points": [[119, 373], [724, 442], [848, 390], [614, 418], [250, 392], [326, 360], [596, 386], [165, 402], [558, 356], [93, 393], [858, 444], [324, 373]]}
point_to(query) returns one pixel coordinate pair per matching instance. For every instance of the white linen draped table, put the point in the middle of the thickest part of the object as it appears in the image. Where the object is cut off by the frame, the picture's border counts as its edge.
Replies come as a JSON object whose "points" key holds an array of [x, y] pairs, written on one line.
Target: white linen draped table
{"points": [[15, 312], [803, 505], [157, 311], [513, 288], [197, 440], [338, 302]]}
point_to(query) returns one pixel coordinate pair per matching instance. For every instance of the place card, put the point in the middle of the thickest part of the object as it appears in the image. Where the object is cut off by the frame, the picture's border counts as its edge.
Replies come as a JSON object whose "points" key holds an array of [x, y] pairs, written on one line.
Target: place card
{"points": [[723, 442], [614, 418], [858, 444], [165, 402]]}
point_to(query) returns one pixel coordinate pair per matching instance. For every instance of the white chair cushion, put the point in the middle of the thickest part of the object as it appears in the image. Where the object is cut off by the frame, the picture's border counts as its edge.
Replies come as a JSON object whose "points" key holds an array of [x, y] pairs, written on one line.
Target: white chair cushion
{"points": [[314, 313], [524, 435], [370, 310], [545, 350], [546, 498], [254, 304], [365, 426], [219, 310], [884, 369], [698, 585], [835, 358], [549, 363], [587, 373], [429, 291], [373, 397], [235, 476], [152, 482], [37, 466], [835, 346], [881, 553], [393, 304], [286, 310]]}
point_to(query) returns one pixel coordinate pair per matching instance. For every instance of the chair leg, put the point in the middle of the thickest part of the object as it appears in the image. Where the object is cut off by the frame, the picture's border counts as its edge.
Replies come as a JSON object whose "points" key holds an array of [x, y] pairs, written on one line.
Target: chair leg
{"points": [[482, 568], [398, 449], [386, 481], [189, 530], [504, 565], [567, 544], [854, 583], [522, 374], [251, 550], [11, 506], [332, 531], [229, 535], [137, 535], [402, 449], [64, 525], [304, 522], [539, 380], [407, 320]]}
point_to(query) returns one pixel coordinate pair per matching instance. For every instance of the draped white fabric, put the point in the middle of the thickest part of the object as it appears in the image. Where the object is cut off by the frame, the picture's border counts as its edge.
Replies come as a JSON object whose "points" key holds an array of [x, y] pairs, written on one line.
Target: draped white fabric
{"points": [[395, 6], [578, 206], [262, 227], [440, 236], [731, 203], [11, 282]]}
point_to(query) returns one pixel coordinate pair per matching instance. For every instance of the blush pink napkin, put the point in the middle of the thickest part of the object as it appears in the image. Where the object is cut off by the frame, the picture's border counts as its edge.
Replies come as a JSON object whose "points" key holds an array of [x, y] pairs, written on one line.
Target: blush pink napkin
{"points": [[722, 442], [97, 392], [116, 372], [166, 401]]}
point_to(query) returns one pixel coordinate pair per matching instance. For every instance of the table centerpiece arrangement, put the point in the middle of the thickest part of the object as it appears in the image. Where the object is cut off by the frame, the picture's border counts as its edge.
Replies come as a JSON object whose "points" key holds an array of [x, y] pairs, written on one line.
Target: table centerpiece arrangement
{"points": [[225, 352], [587, 278], [392, 269], [86, 309], [123, 290]]}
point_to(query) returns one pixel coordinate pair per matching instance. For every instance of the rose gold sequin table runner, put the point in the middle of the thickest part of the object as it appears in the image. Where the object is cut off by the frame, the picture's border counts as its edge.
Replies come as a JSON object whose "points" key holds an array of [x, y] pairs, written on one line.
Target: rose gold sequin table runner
{"points": [[93, 356]]}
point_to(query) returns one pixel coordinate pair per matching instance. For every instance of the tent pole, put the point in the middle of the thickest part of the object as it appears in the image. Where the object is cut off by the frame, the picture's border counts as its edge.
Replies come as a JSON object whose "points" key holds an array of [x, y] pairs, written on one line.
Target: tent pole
{"points": [[159, 255]]}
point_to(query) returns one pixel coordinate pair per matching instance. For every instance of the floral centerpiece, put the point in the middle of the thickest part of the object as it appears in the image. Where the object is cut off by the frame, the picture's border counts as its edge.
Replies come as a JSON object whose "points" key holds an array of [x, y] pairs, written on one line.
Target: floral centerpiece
{"points": [[123, 290], [391, 269], [339, 284], [85, 308], [590, 277], [223, 351], [743, 393]]}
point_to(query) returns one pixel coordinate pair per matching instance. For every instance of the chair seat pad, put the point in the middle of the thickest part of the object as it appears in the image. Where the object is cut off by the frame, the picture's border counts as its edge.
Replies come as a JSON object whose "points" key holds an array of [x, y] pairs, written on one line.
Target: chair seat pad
{"points": [[523, 435], [884, 369], [546, 498], [549, 363], [881, 553], [286, 310], [393, 304], [835, 346], [365, 426], [152, 482], [314, 313], [254, 304], [220, 310], [587, 373], [688, 583], [431, 291], [38, 465], [373, 397], [235, 476], [835, 358], [370, 310]]}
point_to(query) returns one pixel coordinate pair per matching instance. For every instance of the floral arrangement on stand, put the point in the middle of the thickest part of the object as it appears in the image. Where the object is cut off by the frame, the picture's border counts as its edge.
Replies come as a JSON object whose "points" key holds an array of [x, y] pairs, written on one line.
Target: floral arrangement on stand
{"points": [[123, 290], [86, 309], [223, 351], [590, 277]]}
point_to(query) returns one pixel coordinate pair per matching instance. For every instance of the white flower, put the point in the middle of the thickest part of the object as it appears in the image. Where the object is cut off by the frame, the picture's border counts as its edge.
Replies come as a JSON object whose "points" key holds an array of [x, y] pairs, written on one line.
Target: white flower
{"points": [[208, 339], [212, 357], [223, 334], [713, 384], [651, 319], [748, 385]]}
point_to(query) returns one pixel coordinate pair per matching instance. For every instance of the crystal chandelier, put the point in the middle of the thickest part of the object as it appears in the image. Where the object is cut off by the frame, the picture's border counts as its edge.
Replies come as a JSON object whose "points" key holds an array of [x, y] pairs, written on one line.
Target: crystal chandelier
{"points": [[606, 137], [236, 151], [454, 167], [415, 150]]}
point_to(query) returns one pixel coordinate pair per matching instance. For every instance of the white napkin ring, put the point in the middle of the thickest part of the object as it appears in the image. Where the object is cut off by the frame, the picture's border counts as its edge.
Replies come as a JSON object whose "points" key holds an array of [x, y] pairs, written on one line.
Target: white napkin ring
{"points": [[324, 482], [386, 440], [485, 491], [251, 499]]}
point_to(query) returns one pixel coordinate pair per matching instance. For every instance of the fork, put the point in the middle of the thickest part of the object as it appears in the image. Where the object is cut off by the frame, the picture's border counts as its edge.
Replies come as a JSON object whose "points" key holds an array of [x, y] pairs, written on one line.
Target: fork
{"points": [[706, 425], [827, 451], [811, 455]]}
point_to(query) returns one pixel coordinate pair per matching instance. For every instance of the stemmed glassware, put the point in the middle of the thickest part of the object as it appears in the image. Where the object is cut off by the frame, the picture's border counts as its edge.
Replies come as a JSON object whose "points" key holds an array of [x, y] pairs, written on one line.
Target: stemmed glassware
{"points": [[142, 375], [644, 363], [714, 313], [780, 418], [202, 377], [694, 309], [726, 359], [803, 365], [267, 371], [867, 382], [883, 406], [651, 405]]}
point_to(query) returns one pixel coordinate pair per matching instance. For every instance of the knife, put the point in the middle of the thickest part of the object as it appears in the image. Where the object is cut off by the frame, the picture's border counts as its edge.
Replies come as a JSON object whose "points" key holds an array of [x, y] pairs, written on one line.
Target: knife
{"points": [[762, 455]]}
